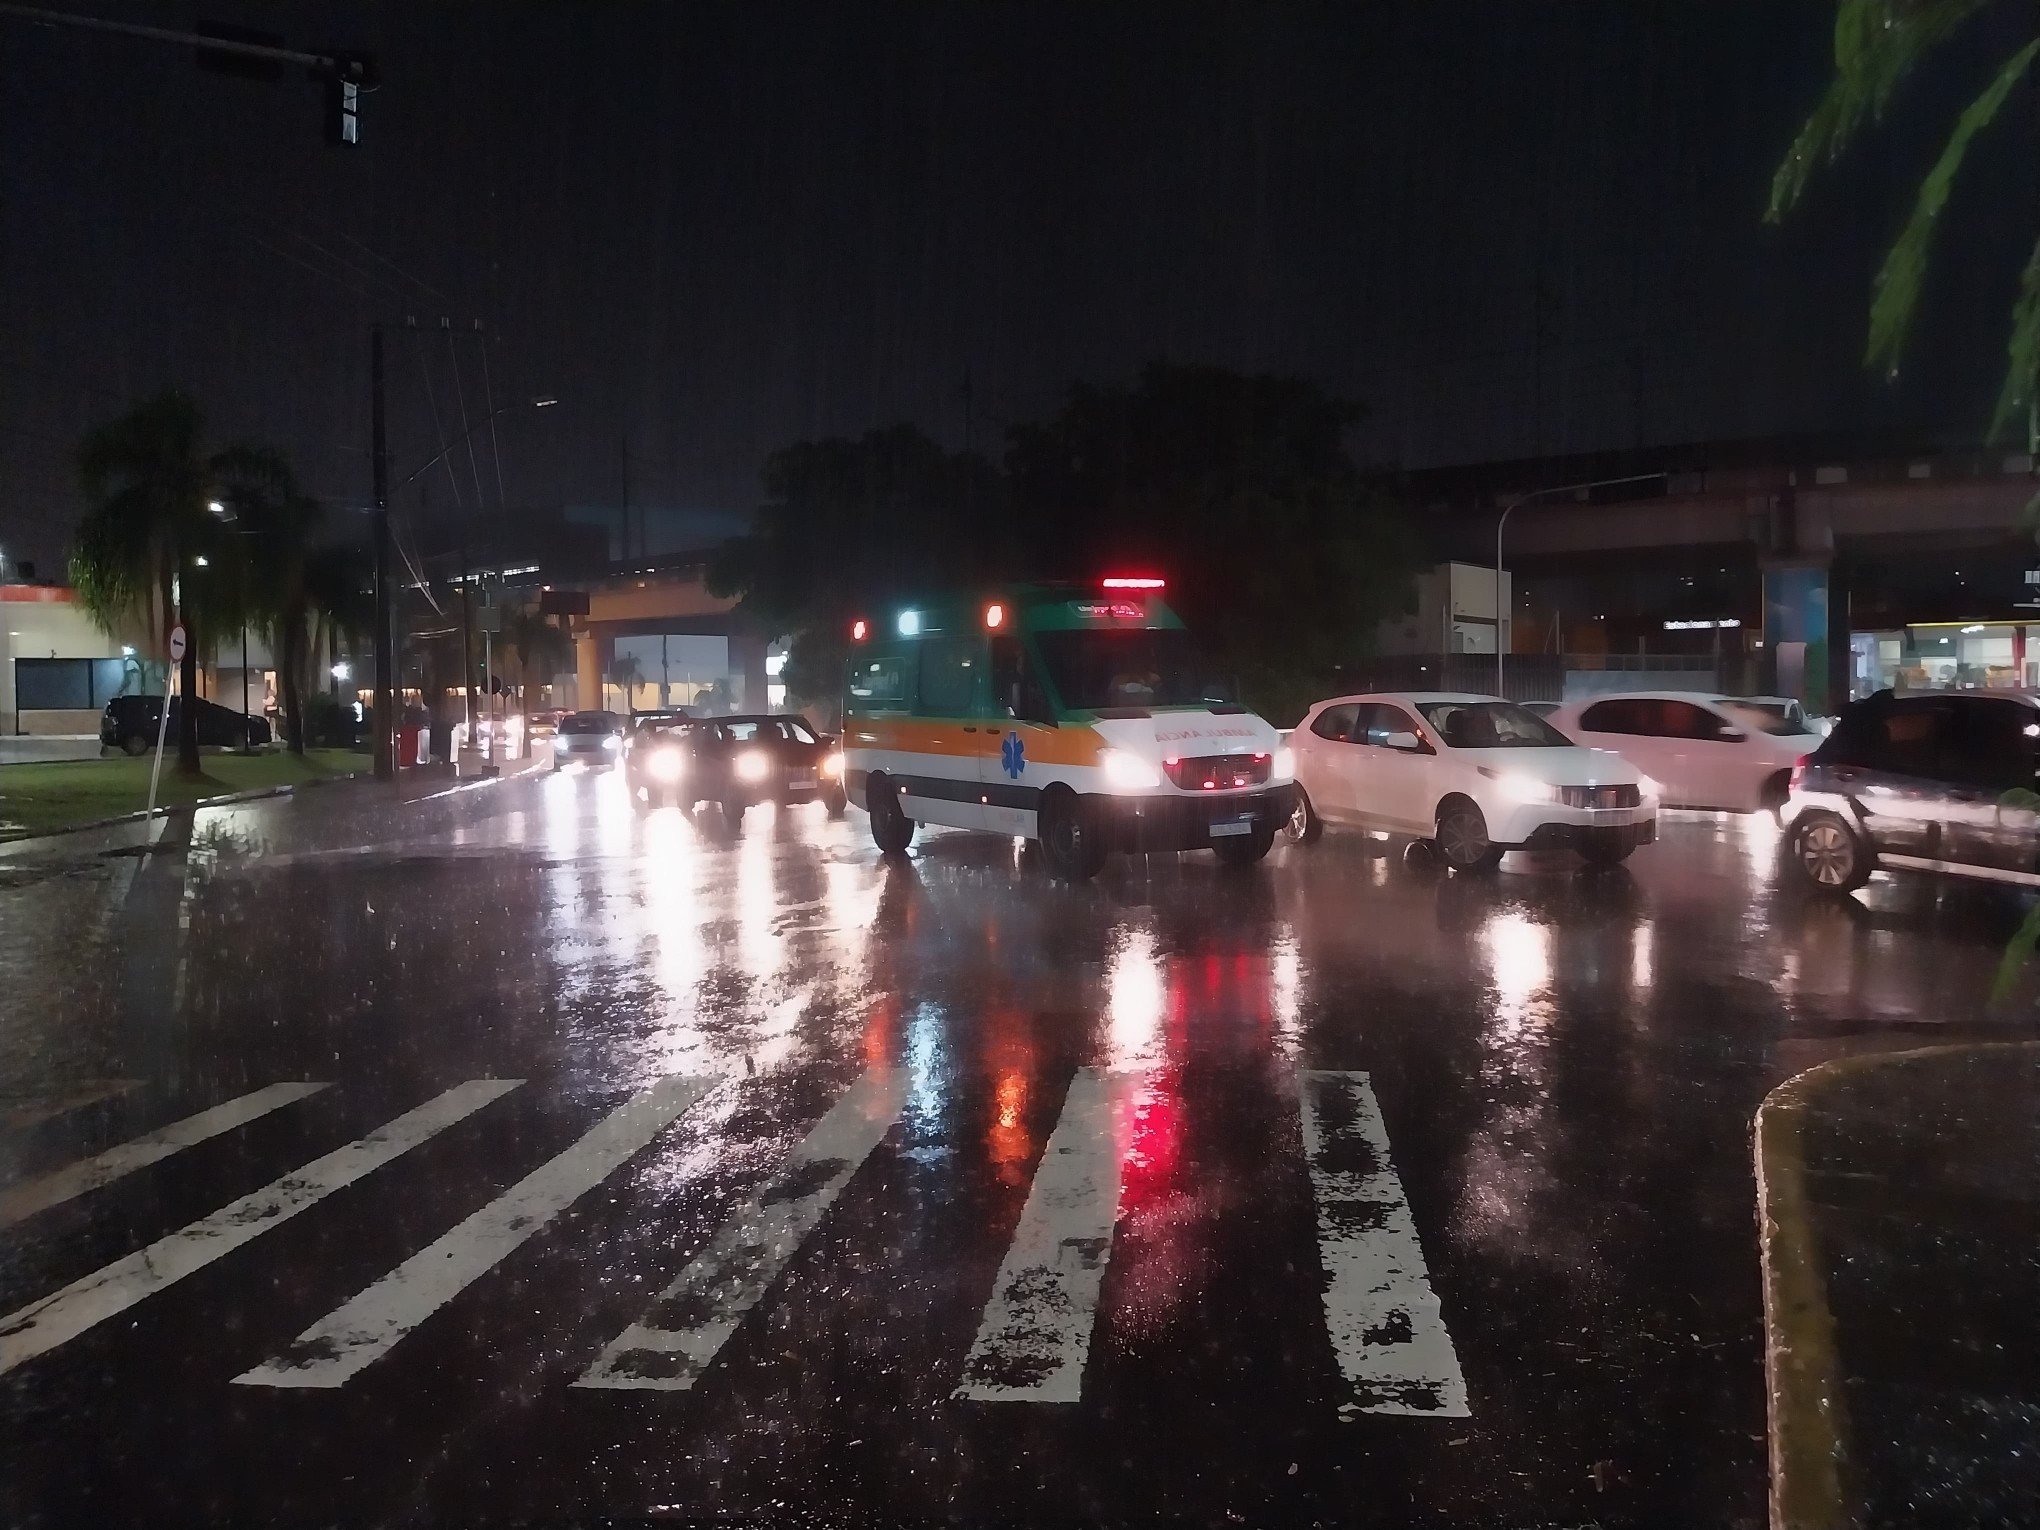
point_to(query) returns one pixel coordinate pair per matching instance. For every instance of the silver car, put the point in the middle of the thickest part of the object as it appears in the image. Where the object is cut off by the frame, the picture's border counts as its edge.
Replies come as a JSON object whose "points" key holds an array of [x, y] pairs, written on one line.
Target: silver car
{"points": [[592, 739]]}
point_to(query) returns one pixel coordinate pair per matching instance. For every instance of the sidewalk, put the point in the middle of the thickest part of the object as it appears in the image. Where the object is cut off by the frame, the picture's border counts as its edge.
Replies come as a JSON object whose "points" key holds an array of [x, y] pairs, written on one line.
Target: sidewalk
{"points": [[1899, 1208], [26, 748]]}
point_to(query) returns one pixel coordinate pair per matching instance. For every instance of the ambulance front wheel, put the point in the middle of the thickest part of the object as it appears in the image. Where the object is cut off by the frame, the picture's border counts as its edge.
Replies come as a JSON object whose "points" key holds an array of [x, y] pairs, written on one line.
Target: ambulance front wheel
{"points": [[1070, 841], [891, 830]]}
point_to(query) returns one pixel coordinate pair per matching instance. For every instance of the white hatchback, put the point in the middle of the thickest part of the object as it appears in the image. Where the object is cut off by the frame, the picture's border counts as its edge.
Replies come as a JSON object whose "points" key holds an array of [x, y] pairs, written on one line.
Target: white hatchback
{"points": [[1474, 775], [1706, 751]]}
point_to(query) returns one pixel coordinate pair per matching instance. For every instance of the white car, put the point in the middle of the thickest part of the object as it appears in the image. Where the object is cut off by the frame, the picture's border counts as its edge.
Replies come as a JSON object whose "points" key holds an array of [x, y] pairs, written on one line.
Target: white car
{"points": [[1474, 775], [1705, 751]]}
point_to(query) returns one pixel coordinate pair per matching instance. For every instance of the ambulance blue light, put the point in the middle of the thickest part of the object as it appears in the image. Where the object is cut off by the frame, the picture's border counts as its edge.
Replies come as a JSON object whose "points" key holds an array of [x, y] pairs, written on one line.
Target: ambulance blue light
{"points": [[910, 624]]}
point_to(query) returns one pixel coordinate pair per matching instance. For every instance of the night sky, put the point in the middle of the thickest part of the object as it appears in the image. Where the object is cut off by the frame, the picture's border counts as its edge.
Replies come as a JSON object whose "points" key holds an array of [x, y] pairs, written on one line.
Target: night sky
{"points": [[1509, 230]]}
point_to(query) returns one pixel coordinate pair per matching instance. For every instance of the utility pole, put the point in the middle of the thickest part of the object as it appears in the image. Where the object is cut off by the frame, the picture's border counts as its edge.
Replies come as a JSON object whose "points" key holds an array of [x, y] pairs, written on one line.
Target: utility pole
{"points": [[385, 624]]}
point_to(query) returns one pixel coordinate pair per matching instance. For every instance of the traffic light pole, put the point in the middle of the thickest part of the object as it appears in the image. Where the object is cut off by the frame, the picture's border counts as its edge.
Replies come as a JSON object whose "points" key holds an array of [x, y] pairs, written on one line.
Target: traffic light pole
{"points": [[385, 623]]}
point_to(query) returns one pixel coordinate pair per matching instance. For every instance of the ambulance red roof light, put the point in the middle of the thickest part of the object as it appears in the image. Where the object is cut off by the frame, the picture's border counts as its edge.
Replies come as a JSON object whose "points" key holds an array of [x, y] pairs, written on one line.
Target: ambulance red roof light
{"points": [[859, 630], [995, 616], [1133, 582]]}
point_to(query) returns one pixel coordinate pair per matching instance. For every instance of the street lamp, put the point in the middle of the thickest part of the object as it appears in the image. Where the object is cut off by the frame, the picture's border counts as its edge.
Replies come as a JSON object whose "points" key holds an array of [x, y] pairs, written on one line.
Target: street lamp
{"points": [[216, 507], [1516, 504], [342, 671]]}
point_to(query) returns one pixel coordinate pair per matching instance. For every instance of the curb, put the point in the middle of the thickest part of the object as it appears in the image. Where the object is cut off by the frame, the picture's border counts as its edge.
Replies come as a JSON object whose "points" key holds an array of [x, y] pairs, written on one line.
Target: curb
{"points": [[1807, 1427], [254, 794]]}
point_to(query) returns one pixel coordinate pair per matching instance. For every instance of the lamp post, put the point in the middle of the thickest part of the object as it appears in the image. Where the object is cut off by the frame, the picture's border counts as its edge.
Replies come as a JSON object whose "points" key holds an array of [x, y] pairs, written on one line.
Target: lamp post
{"points": [[1501, 618]]}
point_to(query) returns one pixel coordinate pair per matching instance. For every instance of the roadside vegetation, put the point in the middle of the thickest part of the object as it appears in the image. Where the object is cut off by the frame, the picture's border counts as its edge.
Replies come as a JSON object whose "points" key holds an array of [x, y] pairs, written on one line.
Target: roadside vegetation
{"points": [[38, 798]]}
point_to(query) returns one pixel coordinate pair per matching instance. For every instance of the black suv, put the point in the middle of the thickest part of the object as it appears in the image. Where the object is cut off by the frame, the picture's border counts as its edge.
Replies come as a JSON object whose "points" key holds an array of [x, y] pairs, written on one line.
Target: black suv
{"points": [[130, 723], [1932, 782]]}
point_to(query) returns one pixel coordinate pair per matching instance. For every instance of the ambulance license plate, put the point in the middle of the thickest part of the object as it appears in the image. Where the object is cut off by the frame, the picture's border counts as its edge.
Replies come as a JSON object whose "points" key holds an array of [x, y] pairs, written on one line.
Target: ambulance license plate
{"points": [[1232, 826], [801, 783]]}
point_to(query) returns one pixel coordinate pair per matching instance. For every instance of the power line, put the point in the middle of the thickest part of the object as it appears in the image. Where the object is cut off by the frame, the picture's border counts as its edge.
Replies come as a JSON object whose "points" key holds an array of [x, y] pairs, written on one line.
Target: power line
{"points": [[489, 401], [360, 292], [467, 434], [439, 433]]}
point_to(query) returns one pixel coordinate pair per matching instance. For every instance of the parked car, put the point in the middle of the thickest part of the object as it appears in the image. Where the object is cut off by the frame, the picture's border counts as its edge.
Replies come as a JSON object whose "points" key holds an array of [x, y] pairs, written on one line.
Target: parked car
{"points": [[1704, 751], [1937, 782], [587, 738], [131, 723], [1474, 775]]}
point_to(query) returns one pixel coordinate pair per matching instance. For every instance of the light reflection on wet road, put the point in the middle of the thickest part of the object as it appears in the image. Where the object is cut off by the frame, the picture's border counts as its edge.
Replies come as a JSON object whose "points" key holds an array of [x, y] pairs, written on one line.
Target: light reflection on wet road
{"points": [[1564, 1063]]}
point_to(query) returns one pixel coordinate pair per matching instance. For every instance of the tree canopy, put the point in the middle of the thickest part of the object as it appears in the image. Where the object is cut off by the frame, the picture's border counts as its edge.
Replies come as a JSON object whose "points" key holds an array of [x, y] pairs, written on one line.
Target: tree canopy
{"points": [[1237, 488], [1878, 44]]}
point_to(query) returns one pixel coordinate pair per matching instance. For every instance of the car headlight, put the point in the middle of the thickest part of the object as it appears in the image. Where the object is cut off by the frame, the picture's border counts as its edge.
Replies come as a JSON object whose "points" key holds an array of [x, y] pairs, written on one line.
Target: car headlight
{"points": [[666, 765], [1518, 787], [611, 741], [1129, 772], [832, 766], [1285, 765], [753, 765]]}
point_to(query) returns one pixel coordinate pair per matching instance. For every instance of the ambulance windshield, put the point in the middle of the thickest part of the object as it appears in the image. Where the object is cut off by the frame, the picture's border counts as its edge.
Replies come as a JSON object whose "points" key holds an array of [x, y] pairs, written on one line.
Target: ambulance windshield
{"points": [[1108, 668]]}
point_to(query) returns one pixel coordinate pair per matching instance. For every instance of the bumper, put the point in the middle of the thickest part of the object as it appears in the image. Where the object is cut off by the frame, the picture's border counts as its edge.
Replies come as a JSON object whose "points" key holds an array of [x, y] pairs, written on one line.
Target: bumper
{"points": [[1571, 836], [1186, 823]]}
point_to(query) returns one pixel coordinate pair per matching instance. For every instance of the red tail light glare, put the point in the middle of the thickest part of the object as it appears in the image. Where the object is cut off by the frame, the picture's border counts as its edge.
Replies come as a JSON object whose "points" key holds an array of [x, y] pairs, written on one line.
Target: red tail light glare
{"points": [[1133, 582], [995, 616], [859, 630], [1797, 779]]}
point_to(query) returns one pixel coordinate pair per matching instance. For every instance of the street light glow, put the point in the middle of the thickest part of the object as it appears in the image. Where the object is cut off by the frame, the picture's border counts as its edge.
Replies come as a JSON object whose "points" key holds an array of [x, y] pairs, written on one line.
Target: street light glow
{"points": [[216, 507], [200, 562], [342, 671]]}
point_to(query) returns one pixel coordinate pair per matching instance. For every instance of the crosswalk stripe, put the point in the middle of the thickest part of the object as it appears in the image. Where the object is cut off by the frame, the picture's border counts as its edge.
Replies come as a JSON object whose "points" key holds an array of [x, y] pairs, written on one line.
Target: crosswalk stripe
{"points": [[365, 1329], [30, 1196], [43, 1325], [1386, 1328], [671, 1347], [1035, 1335], [20, 1118]]}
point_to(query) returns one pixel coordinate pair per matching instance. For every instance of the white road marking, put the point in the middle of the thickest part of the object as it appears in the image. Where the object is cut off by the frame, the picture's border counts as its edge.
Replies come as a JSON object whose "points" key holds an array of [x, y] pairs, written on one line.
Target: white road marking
{"points": [[1035, 1334], [21, 1117], [30, 1196], [368, 1327], [1386, 1328], [670, 1348], [42, 1326]]}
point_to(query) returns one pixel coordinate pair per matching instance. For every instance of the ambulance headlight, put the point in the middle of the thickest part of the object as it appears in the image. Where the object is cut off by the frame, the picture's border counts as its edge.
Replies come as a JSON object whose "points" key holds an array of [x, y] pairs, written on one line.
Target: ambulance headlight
{"points": [[1129, 772], [753, 765]]}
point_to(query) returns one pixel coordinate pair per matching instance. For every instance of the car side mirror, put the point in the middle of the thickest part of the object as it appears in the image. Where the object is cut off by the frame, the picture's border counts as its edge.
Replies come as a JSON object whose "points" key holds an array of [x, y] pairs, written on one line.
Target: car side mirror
{"points": [[1402, 739]]}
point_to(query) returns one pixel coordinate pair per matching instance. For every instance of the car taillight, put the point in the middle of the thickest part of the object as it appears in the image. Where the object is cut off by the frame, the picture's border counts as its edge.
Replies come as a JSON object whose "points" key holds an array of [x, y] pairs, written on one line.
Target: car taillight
{"points": [[1798, 777]]}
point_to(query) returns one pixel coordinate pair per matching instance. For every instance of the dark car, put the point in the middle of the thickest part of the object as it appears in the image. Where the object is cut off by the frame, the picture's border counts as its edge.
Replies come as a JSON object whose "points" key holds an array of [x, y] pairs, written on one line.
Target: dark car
{"points": [[1935, 782], [734, 762], [130, 724], [781, 758]]}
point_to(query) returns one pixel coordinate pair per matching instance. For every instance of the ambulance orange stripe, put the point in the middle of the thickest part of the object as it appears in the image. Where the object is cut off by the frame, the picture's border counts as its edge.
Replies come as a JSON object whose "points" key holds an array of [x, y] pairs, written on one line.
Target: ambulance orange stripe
{"points": [[920, 735]]}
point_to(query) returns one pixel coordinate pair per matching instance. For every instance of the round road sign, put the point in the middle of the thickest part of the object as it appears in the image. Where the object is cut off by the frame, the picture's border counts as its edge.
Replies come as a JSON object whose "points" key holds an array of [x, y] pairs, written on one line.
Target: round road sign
{"points": [[177, 644]]}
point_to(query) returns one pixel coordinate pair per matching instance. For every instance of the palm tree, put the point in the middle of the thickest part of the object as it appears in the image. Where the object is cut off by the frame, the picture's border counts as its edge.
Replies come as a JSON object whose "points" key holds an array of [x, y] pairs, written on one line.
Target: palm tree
{"points": [[539, 649], [146, 545], [624, 675], [1877, 44]]}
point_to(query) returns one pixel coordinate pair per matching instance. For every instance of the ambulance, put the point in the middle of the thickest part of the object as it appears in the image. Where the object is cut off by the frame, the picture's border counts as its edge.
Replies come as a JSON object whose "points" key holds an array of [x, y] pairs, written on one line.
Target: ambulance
{"points": [[1082, 718]]}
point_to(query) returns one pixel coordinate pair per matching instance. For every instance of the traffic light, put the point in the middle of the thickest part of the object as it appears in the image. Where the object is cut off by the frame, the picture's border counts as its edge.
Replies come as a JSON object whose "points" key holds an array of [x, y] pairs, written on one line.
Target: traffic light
{"points": [[345, 78]]}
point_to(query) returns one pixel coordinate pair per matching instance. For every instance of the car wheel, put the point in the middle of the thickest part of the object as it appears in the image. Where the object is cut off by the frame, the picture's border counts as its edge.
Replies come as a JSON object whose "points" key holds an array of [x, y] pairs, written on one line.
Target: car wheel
{"points": [[891, 829], [1830, 855], [1462, 840], [133, 744], [1304, 826], [733, 811], [1070, 842], [1245, 849]]}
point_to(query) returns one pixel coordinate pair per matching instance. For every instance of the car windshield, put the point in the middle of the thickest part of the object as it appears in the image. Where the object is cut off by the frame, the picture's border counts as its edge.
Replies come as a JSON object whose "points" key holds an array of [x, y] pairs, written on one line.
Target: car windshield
{"points": [[1772, 717], [1104, 669], [1490, 725], [591, 722]]}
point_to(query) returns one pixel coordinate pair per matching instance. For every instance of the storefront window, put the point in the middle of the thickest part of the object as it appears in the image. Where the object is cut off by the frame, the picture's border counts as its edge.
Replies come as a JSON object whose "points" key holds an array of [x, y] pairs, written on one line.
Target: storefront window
{"points": [[1946, 657]]}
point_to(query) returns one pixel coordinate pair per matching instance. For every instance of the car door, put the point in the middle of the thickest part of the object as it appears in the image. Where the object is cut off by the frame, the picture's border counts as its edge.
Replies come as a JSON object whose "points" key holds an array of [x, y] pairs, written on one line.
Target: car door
{"points": [[1322, 760], [1888, 761], [1622, 725], [1402, 782], [1987, 803], [1708, 756]]}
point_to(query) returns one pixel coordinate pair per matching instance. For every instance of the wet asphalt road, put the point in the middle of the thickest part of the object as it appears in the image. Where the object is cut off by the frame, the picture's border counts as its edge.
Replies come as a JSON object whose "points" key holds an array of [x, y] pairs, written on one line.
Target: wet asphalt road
{"points": [[859, 1191]]}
